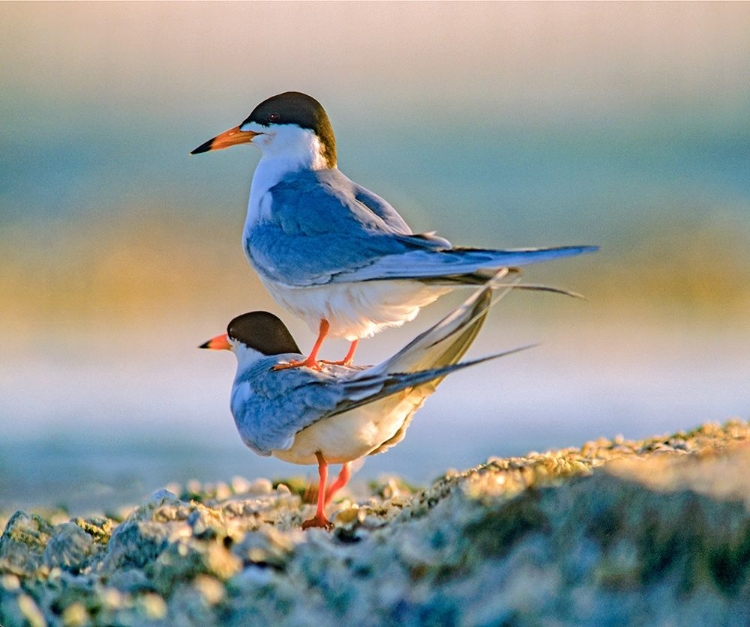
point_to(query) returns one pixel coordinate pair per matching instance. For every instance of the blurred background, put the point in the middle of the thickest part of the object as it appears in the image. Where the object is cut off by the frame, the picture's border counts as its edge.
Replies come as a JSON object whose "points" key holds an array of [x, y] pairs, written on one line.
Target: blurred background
{"points": [[498, 125]]}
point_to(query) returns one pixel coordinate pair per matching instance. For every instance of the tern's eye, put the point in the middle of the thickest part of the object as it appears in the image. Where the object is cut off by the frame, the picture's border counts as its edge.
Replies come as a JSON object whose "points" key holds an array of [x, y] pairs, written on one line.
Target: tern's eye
{"points": [[274, 117]]}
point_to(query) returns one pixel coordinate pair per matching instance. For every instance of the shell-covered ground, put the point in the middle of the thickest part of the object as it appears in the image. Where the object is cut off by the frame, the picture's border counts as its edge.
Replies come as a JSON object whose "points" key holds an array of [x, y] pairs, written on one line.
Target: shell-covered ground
{"points": [[617, 532]]}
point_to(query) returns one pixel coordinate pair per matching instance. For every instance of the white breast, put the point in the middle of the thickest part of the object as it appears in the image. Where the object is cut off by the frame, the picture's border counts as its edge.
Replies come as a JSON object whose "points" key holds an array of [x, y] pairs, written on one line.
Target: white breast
{"points": [[287, 149], [355, 433], [356, 310], [353, 310]]}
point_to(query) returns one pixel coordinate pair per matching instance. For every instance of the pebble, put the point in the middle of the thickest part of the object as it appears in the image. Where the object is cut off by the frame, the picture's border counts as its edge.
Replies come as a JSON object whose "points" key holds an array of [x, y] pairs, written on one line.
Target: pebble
{"points": [[615, 532], [152, 606], [75, 615]]}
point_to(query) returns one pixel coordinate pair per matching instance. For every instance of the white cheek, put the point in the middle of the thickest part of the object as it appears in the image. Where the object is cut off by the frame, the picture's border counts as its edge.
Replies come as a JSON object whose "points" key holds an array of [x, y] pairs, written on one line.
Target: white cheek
{"points": [[264, 140], [254, 127]]}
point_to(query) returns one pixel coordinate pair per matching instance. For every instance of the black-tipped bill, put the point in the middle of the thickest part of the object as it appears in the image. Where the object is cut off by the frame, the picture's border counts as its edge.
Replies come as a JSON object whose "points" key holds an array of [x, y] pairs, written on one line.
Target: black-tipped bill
{"points": [[232, 137], [220, 342]]}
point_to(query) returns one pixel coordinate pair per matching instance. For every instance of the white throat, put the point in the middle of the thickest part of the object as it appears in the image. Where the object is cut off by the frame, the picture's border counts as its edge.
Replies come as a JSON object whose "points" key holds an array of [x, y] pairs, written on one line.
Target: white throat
{"points": [[286, 149], [246, 357]]}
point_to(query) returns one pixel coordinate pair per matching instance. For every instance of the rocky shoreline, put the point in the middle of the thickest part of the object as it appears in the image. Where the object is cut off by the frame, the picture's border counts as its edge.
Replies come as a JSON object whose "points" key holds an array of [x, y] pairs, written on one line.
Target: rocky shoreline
{"points": [[617, 532]]}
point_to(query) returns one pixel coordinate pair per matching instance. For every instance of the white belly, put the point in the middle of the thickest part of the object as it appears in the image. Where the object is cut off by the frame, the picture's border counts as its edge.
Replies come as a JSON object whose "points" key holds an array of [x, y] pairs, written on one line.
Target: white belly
{"points": [[356, 310], [355, 433]]}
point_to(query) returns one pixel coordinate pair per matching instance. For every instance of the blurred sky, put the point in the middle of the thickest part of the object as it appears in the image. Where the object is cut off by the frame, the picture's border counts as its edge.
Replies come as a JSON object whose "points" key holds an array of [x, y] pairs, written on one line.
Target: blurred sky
{"points": [[496, 124]]}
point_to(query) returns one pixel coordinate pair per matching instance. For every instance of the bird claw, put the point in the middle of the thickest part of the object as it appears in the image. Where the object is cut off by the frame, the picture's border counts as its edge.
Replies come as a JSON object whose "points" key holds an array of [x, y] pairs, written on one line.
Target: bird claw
{"points": [[318, 522], [340, 362], [313, 364]]}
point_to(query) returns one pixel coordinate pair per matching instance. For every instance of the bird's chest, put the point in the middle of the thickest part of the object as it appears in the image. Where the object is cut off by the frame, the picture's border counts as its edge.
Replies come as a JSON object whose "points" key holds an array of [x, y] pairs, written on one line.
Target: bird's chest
{"points": [[259, 210], [268, 173], [353, 434]]}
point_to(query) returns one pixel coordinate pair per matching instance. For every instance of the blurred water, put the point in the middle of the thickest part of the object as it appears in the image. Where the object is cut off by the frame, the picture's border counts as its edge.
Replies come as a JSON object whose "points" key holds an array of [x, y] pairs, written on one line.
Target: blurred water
{"points": [[101, 433], [614, 124], [94, 417]]}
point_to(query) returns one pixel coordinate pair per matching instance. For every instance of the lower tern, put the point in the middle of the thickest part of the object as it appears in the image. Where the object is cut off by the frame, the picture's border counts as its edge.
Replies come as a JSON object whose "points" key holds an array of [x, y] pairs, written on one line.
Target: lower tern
{"points": [[334, 253], [338, 414]]}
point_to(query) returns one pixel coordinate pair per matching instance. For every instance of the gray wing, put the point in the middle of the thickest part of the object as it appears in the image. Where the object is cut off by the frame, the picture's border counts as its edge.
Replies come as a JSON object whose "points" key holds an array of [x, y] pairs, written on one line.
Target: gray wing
{"points": [[379, 206], [455, 265], [271, 406], [446, 341], [323, 226], [368, 389]]}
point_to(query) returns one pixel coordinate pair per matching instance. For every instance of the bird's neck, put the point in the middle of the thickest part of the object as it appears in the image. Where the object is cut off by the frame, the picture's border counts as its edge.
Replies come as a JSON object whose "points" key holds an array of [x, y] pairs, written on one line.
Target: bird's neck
{"points": [[247, 359], [289, 149], [272, 168], [306, 153]]}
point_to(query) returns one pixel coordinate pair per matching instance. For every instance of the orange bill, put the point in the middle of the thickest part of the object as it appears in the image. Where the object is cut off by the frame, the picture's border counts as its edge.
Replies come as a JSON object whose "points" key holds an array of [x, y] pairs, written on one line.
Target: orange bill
{"points": [[232, 137], [220, 342]]}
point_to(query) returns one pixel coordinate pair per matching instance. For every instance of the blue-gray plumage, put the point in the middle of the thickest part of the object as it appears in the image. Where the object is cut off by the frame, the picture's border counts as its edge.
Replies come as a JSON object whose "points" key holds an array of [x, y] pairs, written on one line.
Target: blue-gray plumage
{"points": [[322, 231], [272, 406], [338, 413], [334, 253]]}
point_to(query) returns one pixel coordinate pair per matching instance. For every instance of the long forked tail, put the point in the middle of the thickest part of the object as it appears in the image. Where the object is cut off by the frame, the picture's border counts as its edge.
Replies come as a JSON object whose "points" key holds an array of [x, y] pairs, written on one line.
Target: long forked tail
{"points": [[458, 265], [448, 340], [396, 382]]}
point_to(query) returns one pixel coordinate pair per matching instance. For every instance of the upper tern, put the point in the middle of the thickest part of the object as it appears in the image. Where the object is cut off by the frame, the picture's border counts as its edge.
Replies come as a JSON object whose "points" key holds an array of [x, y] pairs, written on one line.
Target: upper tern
{"points": [[332, 252], [337, 414]]}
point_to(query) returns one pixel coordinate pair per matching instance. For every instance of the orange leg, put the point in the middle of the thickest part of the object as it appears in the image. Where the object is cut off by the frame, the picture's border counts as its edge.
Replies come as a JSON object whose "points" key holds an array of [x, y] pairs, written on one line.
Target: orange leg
{"points": [[340, 482], [346, 361], [320, 520], [312, 359]]}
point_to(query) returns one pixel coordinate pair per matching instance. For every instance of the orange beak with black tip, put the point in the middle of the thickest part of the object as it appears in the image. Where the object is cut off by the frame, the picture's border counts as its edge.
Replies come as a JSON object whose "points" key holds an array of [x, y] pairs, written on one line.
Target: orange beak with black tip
{"points": [[232, 137], [219, 343]]}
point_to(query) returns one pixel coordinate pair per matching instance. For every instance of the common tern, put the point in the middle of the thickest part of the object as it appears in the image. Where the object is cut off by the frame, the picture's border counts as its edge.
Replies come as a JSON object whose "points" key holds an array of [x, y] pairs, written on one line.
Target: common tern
{"points": [[332, 252], [337, 414]]}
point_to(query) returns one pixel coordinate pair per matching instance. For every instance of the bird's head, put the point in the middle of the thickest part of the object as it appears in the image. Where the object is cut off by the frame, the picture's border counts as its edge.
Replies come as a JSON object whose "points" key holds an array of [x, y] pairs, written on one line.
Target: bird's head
{"points": [[290, 125], [254, 335]]}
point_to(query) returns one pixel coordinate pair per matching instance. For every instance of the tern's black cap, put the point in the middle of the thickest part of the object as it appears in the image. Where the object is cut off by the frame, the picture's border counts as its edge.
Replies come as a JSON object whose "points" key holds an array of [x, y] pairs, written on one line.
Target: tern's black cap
{"points": [[294, 107], [263, 332]]}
